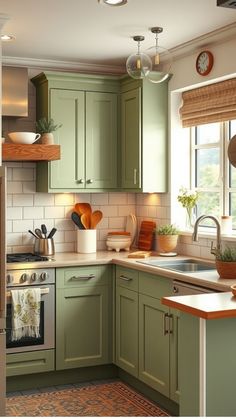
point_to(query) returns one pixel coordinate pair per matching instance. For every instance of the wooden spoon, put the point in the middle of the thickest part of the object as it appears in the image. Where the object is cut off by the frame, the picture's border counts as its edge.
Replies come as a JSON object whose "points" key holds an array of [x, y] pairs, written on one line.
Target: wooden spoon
{"points": [[83, 207], [96, 217], [86, 220]]}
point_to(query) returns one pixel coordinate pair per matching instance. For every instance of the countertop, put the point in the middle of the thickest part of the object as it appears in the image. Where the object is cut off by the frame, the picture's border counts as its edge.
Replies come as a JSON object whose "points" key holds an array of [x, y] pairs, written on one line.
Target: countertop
{"points": [[207, 279]]}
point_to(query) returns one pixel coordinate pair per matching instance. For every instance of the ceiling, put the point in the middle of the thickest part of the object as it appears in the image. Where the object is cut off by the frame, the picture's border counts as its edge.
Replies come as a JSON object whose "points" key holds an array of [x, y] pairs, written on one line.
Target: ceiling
{"points": [[84, 31]]}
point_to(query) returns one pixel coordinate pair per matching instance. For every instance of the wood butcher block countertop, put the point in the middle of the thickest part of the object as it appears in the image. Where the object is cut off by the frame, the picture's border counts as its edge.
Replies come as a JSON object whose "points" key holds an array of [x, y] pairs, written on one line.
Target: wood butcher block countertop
{"points": [[207, 306]]}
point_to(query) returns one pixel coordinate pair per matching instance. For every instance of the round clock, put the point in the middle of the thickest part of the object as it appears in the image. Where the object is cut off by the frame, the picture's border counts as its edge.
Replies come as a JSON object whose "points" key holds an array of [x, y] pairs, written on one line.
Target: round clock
{"points": [[204, 63]]}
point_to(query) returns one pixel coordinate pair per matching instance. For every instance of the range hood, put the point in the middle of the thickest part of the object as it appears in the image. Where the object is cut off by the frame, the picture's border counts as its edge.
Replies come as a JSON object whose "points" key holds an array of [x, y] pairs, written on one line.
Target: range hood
{"points": [[14, 91]]}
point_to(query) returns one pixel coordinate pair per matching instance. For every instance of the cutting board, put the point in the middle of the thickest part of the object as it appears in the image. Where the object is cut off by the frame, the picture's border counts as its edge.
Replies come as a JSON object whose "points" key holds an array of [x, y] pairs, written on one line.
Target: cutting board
{"points": [[146, 235]]}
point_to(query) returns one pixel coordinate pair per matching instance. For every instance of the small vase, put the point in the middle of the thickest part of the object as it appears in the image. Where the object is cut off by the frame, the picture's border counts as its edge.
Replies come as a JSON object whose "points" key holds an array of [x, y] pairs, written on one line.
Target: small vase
{"points": [[190, 220], [47, 138]]}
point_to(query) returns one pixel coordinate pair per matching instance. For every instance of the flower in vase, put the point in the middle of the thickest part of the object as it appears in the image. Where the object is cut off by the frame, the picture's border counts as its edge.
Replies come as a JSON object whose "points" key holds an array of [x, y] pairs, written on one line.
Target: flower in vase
{"points": [[188, 199]]}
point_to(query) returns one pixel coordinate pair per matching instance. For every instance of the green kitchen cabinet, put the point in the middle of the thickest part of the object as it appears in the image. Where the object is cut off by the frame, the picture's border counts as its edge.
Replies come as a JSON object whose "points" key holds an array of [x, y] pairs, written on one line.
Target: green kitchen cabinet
{"points": [[144, 113], [83, 316], [30, 362], [87, 108], [174, 355], [127, 320]]}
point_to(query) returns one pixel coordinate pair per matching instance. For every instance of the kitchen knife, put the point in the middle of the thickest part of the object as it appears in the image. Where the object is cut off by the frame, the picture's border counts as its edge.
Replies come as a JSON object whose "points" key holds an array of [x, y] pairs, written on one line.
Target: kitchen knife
{"points": [[76, 218], [44, 231], [52, 232]]}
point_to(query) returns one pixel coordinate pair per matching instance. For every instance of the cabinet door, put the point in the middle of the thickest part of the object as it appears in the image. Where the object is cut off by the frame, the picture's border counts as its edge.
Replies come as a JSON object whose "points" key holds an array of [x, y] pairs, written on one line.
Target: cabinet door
{"points": [[67, 108], [174, 356], [82, 331], [127, 330], [153, 344], [131, 139], [101, 140]]}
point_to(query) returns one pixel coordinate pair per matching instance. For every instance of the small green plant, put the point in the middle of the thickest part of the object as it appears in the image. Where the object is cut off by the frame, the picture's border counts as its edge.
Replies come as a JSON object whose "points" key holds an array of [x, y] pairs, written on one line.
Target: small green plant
{"points": [[167, 229], [226, 255], [45, 125]]}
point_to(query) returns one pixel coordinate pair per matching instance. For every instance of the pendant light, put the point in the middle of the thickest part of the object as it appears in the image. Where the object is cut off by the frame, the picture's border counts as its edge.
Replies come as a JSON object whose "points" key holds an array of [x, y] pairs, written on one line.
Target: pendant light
{"points": [[138, 65], [113, 2], [161, 60]]}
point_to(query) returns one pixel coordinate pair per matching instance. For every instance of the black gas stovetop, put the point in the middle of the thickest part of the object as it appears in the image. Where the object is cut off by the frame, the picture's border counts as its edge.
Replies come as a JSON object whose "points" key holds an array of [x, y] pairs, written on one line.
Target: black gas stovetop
{"points": [[25, 257]]}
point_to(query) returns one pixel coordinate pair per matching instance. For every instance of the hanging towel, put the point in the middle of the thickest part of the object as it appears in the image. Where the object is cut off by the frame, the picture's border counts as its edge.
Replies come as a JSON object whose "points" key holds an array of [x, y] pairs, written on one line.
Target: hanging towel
{"points": [[25, 313]]}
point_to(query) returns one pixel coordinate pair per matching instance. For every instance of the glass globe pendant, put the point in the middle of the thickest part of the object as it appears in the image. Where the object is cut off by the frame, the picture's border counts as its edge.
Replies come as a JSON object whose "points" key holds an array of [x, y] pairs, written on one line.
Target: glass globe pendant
{"points": [[138, 65], [161, 60]]}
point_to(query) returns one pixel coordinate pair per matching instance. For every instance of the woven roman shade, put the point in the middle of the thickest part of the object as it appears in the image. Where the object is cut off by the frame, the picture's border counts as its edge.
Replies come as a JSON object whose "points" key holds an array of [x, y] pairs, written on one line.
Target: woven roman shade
{"points": [[213, 103]]}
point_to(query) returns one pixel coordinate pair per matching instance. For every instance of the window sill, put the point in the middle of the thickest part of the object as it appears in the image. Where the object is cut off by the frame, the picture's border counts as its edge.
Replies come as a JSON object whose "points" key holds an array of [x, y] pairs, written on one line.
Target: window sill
{"points": [[210, 235]]}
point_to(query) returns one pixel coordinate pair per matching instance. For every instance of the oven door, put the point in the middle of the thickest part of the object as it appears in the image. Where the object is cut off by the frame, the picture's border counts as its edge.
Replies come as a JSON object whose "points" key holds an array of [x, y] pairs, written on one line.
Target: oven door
{"points": [[47, 324]]}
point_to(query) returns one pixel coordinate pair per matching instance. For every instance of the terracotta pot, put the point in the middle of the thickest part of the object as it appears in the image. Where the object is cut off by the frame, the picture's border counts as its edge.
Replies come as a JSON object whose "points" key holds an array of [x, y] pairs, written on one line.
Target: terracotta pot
{"points": [[166, 243], [226, 270], [47, 138]]}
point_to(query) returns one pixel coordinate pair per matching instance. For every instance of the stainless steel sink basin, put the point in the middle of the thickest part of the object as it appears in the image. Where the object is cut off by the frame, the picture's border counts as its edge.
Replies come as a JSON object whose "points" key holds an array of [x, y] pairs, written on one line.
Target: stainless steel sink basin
{"points": [[188, 265]]}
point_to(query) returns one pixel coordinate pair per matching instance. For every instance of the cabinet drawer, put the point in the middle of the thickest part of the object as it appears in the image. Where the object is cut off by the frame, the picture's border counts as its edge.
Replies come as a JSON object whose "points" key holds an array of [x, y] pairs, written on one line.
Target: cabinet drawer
{"points": [[127, 278], [30, 362], [82, 276], [154, 285]]}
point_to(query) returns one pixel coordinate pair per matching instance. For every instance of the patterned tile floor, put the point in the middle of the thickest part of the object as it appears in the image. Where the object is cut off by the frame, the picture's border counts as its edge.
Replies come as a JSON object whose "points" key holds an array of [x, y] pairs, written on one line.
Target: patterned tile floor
{"points": [[96, 398]]}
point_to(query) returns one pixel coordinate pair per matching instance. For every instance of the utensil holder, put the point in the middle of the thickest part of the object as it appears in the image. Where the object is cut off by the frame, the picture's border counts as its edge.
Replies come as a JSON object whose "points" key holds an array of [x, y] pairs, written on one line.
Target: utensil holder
{"points": [[44, 247], [86, 241]]}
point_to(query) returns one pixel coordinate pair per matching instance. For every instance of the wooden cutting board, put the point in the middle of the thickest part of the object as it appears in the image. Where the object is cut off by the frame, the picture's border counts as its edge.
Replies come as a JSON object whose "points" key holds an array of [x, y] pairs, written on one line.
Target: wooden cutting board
{"points": [[146, 235]]}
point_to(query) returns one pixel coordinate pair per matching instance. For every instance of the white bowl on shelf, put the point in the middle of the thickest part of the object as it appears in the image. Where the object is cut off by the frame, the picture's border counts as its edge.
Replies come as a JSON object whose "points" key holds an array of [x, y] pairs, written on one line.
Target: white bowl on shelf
{"points": [[23, 137]]}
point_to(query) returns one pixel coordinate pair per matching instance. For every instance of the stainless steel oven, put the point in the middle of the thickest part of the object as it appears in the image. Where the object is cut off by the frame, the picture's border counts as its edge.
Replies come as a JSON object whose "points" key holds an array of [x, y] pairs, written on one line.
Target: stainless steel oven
{"points": [[45, 280]]}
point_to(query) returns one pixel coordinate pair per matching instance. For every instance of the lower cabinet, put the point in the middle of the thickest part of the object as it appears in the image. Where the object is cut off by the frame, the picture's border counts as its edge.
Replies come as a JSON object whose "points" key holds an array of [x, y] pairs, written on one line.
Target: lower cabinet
{"points": [[30, 362], [84, 316], [147, 332]]}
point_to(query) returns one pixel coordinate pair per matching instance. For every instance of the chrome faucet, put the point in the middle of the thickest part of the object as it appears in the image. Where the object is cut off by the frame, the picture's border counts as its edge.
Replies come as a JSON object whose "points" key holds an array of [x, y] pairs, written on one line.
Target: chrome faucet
{"points": [[216, 249]]}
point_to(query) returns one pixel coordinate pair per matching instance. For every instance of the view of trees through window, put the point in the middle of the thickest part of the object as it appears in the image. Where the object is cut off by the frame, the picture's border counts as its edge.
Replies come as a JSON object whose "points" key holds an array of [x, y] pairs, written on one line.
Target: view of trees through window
{"points": [[212, 174]]}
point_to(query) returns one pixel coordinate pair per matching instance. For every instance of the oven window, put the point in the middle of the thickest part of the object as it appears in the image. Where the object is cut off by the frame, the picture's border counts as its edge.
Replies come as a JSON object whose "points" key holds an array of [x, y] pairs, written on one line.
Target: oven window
{"points": [[25, 341]]}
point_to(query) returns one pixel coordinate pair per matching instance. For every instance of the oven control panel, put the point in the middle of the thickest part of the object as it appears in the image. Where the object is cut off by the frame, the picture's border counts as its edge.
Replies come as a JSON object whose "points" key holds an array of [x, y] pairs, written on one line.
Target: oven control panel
{"points": [[30, 277]]}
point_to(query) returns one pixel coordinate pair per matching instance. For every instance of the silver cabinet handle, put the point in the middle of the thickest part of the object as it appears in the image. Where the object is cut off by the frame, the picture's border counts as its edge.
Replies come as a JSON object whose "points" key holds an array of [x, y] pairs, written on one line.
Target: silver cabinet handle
{"points": [[165, 324], [82, 277], [90, 181], [135, 176], [81, 181], [171, 329], [125, 278]]}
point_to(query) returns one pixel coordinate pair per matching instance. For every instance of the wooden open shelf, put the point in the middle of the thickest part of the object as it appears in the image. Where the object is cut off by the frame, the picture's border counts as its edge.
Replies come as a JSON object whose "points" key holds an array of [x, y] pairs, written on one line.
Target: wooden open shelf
{"points": [[30, 152]]}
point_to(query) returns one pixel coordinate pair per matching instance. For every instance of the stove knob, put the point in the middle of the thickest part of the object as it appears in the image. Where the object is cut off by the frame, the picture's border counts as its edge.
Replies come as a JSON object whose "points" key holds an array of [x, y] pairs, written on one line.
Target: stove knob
{"points": [[9, 279], [34, 277], [24, 278], [44, 276]]}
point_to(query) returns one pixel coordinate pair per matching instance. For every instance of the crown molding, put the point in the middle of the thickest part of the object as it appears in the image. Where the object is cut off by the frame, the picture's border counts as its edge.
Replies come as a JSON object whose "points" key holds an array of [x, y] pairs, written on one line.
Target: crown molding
{"points": [[209, 39], [61, 65]]}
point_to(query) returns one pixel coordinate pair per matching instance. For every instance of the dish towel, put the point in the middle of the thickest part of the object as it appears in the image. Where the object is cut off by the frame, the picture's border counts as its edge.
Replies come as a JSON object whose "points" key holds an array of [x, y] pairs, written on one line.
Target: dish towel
{"points": [[25, 313]]}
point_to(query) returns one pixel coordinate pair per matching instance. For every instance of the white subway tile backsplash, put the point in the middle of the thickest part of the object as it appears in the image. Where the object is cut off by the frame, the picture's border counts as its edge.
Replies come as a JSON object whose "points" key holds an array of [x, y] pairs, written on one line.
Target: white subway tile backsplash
{"points": [[29, 187], [36, 212], [109, 210], [21, 226], [9, 226], [70, 236], [14, 187], [124, 210], [14, 239], [22, 200], [64, 199], [117, 222], [44, 199], [99, 199], [65, 247], [15, 213], [64, 225], [23, 173], [118, 198], [54, 212], [9, 200]]}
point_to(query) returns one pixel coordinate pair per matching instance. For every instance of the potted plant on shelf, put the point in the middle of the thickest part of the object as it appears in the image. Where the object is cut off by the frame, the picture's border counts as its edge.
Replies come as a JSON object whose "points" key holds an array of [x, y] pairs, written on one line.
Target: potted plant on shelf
{"points": [[226, 263], [167, 238], [46, 127], [188, 200]]}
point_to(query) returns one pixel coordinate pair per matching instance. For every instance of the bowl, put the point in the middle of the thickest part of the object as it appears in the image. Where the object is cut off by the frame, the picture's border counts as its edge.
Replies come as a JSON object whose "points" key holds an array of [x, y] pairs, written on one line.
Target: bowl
{"points": [[23, 137], [118, 245], [233, 289]]}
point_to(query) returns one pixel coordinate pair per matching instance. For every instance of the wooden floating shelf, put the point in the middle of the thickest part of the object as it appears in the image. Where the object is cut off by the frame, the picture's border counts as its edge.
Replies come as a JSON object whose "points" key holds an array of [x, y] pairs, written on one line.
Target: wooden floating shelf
{"points": [[30, 152]]}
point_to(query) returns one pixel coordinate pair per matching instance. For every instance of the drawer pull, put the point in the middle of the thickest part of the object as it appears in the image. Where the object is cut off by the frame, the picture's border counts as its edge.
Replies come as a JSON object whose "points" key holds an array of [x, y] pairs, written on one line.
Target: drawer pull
{"points": [[82, 277], [125, 278], [165, 324]]}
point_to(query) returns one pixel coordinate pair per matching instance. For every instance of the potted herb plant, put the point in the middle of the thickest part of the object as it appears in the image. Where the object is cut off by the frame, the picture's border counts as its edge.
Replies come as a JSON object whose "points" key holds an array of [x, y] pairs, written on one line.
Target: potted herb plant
{"points": [[46, 127], [226, 263], [167, 238]]}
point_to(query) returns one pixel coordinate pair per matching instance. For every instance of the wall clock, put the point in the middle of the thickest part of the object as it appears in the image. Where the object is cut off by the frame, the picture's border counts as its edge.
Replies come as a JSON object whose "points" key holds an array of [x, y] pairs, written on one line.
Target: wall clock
{"points": [[204, 63]]}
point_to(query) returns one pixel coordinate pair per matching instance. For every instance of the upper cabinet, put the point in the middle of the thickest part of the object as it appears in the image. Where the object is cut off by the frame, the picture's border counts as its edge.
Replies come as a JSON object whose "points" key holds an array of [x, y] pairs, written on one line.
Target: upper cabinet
{"points": [[110, 125], [144, 113], [87, 108]]}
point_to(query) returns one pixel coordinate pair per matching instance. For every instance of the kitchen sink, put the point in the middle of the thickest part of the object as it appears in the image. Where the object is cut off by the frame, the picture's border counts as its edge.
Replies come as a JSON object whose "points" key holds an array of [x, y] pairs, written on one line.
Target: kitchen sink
{"points": [[188, 265]]}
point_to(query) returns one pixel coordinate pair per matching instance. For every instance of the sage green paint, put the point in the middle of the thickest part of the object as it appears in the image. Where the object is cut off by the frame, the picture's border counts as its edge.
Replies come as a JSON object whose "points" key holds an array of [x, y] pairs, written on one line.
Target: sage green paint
{"points": [[30, 362], [84, 317], [131, 276], [174, 357], [153, 345], [154, 285], [127, 330]]}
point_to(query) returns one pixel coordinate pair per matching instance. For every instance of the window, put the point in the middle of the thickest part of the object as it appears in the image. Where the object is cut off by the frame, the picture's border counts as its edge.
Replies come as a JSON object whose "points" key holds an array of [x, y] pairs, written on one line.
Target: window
{"points": [[211, 173]]}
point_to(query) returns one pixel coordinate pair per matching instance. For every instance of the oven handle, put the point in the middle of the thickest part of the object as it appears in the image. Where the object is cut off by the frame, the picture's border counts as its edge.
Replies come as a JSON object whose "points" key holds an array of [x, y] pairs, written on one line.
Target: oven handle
{"points": [[43, 291]]}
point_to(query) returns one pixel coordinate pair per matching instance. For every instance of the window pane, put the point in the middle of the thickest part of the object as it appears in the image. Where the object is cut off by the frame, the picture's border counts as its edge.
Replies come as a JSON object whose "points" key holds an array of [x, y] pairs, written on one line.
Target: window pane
{"points": [[208, 133], [207, 167], [209, 204], [232, 128], [232, 177], [232, 209]]}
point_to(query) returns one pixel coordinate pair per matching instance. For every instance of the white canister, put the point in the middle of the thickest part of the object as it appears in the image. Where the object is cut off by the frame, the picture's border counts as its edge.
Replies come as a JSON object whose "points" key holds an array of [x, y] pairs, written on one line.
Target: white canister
{"points": [[86, 241], [226, 224]]}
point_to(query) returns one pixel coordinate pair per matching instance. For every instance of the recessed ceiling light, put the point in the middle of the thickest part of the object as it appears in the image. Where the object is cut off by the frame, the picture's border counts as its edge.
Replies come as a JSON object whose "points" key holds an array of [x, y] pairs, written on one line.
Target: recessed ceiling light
{"points": [[7, 38], [114, 2]]}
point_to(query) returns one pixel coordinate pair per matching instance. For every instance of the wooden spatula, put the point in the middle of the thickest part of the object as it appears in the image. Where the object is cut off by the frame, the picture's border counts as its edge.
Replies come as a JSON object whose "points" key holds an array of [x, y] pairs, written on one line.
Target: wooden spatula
{"points": [[86, 220], [96, 217], [82, 207]]}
